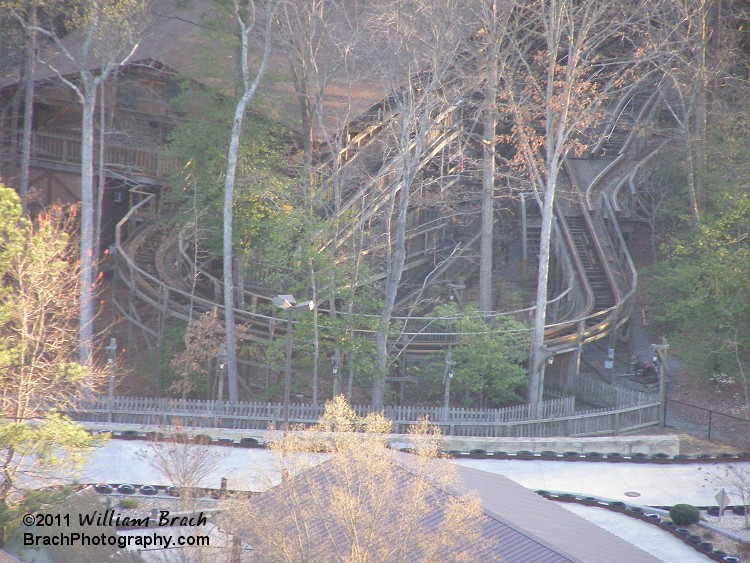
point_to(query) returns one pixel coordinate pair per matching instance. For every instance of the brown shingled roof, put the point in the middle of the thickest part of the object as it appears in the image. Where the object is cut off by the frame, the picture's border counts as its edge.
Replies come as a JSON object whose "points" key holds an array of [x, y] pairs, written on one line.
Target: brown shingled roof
{"points": [[6, 557], [547, 522], [517, 525]]}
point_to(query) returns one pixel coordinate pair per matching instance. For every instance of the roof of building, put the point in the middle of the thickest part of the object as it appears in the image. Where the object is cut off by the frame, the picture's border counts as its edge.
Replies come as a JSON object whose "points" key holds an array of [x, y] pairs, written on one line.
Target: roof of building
{"points": [[546, 521], [6, 557], [174, 38], [517, 525]]}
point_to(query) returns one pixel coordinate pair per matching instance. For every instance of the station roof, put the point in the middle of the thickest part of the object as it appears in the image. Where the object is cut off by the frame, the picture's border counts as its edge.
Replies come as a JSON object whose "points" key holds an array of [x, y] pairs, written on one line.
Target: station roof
{"points": [[175, 39], [516, 524]]}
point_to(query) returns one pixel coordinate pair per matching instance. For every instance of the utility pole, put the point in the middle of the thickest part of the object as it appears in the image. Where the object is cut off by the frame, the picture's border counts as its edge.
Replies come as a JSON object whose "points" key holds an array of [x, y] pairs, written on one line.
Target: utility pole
{"points": [[288, 303], [335, 361], [111, 355], [449, 363], [661, 351]]}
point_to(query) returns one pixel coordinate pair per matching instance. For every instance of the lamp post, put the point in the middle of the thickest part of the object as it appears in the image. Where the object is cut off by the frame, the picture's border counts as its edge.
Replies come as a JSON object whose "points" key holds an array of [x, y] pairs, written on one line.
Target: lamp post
{"points": [[111, 355], [449, 363], [336, 375], [221, 366], [661, 350], [289, 304]]}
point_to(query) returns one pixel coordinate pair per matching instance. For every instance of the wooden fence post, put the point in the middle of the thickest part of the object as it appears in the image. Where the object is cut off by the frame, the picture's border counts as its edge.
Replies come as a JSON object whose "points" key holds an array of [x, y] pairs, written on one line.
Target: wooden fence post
{"points": [[515, 420]]}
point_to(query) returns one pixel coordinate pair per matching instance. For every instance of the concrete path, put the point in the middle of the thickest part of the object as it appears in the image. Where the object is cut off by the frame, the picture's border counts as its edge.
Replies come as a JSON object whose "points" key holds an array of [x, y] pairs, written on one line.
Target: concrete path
{"points": [[134, 462], [642, 534], [123, 461], [656, 484]]}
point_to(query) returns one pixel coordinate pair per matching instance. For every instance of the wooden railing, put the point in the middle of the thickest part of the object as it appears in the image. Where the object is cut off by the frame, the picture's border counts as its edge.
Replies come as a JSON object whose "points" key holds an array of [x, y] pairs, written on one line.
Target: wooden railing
{"points": [[66, 148], [386, 183], [592, 390], [557, 417]]}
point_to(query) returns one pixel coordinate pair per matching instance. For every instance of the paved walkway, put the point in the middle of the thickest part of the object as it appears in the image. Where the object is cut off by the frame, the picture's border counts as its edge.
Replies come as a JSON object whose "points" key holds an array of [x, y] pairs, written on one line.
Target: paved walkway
{"points": [[642, 534], [255, 469], [134, 462], [656, 484]]}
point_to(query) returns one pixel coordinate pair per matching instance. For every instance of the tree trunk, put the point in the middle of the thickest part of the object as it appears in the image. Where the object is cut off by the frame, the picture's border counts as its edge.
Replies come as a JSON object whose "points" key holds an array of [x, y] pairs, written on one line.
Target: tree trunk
{"points": [[538, 356], [397, 261], [228, 217], [488, 184], [701, 105], [100, 184], [307, 136], [86, 334], [391, 289], [28, 113], [690, 165], [234, 142]]}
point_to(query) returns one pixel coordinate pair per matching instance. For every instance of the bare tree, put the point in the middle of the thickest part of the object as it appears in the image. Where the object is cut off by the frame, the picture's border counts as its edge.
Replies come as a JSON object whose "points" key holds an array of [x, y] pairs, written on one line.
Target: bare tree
{"points": [[736, 480], [420, 41], [678, 41], [571, 59], [184, 459], [316, 35], [490, 52], [320, 38], [105, 38], [365, 502], [245, 17], [652, 192]]}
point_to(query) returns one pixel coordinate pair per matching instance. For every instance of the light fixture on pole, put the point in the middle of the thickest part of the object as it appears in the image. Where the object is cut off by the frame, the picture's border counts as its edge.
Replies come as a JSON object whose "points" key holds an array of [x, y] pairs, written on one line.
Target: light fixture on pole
{"points": [[336, 375], [221, 365], [449, 365], [660, 351], [289, 304]]}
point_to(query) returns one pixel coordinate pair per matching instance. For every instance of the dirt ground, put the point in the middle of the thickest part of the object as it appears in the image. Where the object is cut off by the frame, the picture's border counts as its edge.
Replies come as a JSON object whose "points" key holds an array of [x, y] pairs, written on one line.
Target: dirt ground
{"points": [[689, 445]]}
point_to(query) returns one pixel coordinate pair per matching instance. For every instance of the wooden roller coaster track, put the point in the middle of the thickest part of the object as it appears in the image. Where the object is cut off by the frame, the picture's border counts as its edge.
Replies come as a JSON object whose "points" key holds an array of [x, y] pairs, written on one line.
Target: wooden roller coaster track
{"points": [[581, 313]]}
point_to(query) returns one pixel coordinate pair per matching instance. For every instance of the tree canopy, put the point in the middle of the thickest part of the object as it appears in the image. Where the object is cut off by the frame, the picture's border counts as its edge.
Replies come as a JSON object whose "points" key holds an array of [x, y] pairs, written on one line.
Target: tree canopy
{"points": [[364, 502], [701, 290], [39, 369]]}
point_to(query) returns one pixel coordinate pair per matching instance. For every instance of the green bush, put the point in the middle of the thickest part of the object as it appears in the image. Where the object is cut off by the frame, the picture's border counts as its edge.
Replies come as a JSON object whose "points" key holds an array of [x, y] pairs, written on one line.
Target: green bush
{"points": [[684, 514], [128, 503]]}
